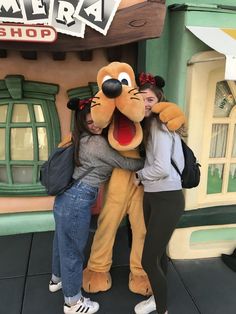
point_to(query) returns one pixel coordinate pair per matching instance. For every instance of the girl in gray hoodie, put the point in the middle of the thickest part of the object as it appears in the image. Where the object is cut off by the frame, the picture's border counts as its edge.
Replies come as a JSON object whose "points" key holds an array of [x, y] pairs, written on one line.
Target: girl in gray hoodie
{"points": [[163, 202]]}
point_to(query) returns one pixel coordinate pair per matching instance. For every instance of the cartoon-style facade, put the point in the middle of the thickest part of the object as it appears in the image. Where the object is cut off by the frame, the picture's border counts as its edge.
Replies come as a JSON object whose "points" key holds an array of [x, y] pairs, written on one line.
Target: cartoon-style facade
{"points": [[35, 83], [201, 75]]}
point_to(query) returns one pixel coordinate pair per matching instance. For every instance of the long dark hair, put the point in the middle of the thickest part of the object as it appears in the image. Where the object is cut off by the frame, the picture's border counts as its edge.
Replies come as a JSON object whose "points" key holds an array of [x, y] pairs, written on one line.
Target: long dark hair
{"points": [[81, 108], [156, 85]]}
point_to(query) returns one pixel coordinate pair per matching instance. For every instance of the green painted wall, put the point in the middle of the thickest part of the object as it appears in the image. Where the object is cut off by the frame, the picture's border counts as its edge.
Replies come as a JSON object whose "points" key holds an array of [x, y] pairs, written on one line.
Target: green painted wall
{"points": [[168, 55], [213, 235], [26, 222]]}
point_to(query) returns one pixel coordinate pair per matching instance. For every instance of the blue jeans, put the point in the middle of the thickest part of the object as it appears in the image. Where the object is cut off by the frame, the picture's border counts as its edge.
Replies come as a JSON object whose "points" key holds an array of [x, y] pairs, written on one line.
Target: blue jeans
{"points": [[72, 214]]}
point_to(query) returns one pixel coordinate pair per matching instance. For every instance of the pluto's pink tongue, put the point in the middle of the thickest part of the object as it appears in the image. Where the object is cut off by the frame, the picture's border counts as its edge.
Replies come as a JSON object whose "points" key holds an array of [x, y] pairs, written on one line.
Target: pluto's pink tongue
{"points": [[124, 129]]}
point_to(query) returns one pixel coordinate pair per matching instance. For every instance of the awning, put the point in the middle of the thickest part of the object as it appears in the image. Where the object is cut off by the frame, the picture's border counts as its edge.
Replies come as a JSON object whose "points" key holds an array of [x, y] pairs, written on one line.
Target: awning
{"points": [[222, 40]]}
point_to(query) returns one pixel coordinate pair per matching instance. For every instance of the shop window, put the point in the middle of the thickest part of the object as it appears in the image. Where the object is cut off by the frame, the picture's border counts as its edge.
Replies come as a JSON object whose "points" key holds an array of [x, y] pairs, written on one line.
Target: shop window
{"points": [[212, 130], [222, 162], [29, 130]]}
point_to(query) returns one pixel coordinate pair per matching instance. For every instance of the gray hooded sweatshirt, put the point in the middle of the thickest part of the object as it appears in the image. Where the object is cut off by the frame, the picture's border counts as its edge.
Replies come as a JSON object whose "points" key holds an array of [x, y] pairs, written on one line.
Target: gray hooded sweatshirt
{"points": [[158, 173]]}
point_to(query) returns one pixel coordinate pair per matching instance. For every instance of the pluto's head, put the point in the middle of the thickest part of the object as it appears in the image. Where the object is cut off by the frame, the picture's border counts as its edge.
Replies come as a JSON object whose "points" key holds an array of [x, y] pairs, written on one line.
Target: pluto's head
{"points": [[119, 105]]}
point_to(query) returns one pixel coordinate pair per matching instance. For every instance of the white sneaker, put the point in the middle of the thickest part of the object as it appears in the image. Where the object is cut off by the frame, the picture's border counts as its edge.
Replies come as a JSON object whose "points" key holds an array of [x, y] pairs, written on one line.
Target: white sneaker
{"points": [[53, 286], [84, 305], [146, 307]]}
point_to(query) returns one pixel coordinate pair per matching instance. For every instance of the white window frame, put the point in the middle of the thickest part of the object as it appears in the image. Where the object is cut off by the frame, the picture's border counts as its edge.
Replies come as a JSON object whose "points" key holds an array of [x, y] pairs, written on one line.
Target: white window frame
{"points": [[204, 71]]}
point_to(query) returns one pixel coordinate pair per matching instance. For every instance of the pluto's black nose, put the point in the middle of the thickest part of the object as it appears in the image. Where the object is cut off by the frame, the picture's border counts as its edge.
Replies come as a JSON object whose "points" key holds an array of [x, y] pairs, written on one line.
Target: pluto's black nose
{"points": [[112, 88]]}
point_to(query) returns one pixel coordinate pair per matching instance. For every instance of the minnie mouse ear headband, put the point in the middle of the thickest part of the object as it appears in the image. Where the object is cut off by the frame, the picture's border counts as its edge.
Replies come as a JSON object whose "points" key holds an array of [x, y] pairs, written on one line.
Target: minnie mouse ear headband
{"points": [[147, 78], [78, 104]]}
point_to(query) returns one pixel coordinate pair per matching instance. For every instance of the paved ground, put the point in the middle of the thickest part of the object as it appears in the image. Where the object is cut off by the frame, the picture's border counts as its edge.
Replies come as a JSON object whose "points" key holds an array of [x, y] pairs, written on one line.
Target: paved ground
{"points": [[203, 286]]}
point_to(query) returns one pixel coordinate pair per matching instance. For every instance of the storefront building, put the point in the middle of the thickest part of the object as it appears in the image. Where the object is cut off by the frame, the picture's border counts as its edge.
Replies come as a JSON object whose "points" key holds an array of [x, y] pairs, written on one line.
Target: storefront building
{"points": [[193, 46], [196, 54], [38, 74]]}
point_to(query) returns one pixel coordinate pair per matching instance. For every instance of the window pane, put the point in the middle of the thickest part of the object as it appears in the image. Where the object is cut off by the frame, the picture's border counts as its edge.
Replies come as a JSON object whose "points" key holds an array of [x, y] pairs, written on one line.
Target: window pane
{"points": [[234, 143], [224, 100], [3, 174], [2, 144], [20, 113], [232, 178], [218, 140], [3, 113], [215, 178], [21, 144], [22, 174], [38, 113], [43, 143]]}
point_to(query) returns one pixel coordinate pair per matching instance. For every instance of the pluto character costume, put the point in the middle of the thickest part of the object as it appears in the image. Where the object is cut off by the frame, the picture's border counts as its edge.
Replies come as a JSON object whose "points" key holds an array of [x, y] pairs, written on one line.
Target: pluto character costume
{"points": [[119, 105]]}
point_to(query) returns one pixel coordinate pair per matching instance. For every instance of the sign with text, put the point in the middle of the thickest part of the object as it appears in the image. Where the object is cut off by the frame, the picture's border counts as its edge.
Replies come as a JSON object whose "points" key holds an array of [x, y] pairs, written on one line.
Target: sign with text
{"points": [[31, 33], [66, 16]]}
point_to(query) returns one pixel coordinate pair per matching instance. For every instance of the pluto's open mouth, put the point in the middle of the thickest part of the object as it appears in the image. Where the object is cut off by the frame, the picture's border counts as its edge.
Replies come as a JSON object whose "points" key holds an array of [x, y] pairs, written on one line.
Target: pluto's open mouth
{"points": [[124, 129]]}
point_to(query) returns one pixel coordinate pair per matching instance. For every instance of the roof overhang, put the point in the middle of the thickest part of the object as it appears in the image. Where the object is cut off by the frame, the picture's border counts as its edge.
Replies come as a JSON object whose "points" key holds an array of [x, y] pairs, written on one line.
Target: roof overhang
{"points": [[222, 40], [139, 21]]}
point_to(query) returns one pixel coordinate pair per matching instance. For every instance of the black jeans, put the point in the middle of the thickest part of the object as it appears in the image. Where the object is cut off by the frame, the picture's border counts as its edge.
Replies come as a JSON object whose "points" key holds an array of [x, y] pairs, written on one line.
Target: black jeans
{"points": [[162, 211]]}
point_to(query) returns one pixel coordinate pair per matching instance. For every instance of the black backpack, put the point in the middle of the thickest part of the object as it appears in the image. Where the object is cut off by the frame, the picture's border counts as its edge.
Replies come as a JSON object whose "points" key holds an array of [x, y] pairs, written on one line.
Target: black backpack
{"points": [[56, 173], [191, 173]]}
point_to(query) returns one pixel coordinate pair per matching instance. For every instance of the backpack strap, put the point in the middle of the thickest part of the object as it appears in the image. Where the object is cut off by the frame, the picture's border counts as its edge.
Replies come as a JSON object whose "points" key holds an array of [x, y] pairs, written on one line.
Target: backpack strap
{"points": [[174, 165], [83, 175], [172, 161]]}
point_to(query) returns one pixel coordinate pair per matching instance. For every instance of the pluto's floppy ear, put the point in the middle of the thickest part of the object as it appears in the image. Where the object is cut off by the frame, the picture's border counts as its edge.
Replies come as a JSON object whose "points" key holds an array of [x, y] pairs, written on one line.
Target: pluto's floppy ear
{"points": [[170, 114]]}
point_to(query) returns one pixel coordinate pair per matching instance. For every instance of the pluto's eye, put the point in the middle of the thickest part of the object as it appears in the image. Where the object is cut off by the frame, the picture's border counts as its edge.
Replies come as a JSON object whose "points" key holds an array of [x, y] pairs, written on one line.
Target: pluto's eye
{"points": [[124, 78], [107, 77]]}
